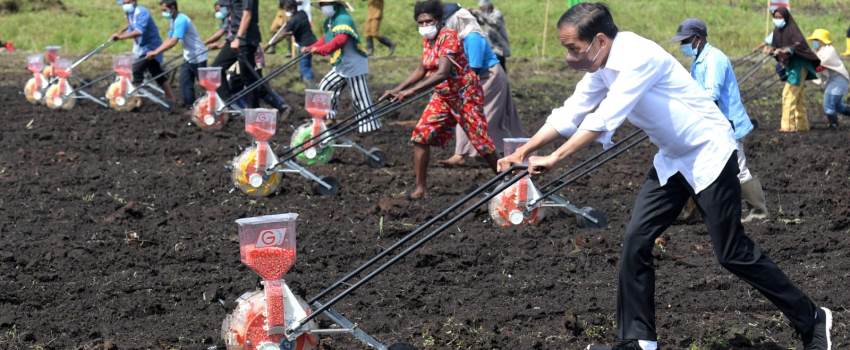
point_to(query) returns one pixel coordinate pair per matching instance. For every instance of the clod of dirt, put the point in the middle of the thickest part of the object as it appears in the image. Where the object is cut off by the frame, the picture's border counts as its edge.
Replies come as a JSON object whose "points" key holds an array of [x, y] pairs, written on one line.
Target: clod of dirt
{"points": [[128, 211], [212, 294], [7, 256], [392, 207], [572, 324]]}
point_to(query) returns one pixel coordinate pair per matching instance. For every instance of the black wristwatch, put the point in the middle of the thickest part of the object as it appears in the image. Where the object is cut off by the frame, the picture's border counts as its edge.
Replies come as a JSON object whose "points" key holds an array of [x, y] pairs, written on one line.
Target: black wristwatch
{"points": [[241, 38]]}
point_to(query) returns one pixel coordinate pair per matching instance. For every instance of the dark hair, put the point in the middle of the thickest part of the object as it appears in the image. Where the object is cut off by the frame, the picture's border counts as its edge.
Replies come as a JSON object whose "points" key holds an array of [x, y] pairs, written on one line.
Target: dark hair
{"points": [[431, 7], [289, 4], [169, 3], [589, 18]]}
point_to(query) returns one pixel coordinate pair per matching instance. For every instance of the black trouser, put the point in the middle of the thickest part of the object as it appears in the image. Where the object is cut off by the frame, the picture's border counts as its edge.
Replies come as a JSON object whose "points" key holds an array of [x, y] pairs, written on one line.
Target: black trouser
{"points": [[226, 58], [504, 62], [655, 209], [151, 66], [188, 75]]}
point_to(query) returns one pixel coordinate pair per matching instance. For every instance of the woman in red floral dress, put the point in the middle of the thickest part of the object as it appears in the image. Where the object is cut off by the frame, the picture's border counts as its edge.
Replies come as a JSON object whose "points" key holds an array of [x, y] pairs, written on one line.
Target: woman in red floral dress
{"points": [[457, 98]]}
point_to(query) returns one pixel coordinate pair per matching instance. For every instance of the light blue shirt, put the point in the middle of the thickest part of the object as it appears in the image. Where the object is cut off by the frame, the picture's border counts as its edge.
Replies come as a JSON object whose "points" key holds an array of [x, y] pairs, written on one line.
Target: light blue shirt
{"points": [[479, 53], [141, 21], [714, 73], [182, 29]]}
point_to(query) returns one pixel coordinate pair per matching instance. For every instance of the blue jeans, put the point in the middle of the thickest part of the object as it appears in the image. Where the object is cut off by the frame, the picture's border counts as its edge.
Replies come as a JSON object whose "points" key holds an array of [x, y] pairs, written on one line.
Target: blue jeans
{"points": [[306, 66], [188, 75], [836, 88], [834, 104]]}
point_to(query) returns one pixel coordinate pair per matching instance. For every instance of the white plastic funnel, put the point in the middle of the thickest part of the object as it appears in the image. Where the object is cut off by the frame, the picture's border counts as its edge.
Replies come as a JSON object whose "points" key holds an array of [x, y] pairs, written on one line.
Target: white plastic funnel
{"points": [[62, 68], [267, 244], [51, 53], [318, 102], [261, 123], [123, 65], [35, 63], [209, 78]]}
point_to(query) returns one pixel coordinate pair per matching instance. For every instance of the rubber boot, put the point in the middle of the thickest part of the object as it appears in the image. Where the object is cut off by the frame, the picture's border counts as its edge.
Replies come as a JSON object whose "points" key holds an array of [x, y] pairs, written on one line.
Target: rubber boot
{"points": [[847, 50], [276, 101], [370, 46], [388, 43], [753, 194], [833, 121]]}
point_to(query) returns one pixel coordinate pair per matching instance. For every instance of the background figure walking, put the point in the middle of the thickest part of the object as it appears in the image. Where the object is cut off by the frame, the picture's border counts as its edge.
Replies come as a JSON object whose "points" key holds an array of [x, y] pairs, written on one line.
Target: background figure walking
{"points": [[372, 29], [833, 78], [499, 109], [791, 51], [493, 24], [341, 42]]}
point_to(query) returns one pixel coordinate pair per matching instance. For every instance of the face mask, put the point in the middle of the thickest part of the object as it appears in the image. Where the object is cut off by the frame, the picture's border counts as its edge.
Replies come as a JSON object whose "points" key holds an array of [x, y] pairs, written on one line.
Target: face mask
{"points": [[583, 64], [428, 32], [221, 13], [128, 8], [288, 13], [815, 44], [166, 15], [688, 50], [328, 10], [779, 23]]}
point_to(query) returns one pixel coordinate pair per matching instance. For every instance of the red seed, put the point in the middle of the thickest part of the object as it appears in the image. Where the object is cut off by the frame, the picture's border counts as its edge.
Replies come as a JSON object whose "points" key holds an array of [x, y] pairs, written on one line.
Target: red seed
{"points": [[274, 303], [271, 263]]}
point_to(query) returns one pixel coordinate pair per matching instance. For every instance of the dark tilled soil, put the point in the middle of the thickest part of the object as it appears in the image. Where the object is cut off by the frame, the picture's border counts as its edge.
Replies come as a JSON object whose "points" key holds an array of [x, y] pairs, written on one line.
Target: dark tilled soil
{"points": [[117, 232]]}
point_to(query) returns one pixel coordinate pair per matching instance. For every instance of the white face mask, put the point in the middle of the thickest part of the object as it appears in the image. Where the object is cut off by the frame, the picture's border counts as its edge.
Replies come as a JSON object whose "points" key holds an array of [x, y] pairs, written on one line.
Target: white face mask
{"points": [[288, 13], [128, 8], [221, 13], [328, 10], [779, 22], [428, 32]]}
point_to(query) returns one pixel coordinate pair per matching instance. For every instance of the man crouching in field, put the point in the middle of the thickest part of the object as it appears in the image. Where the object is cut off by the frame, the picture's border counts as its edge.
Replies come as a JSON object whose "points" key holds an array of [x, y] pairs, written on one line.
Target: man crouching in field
{"points": [[630, 77]]}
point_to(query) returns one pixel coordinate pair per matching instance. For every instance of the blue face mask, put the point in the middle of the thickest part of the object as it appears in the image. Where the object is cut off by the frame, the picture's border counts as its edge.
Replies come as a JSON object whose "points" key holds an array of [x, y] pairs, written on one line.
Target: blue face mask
{"points": [[688, 50], [815, 44], [128, 8], [779, 23], [221, 13]]}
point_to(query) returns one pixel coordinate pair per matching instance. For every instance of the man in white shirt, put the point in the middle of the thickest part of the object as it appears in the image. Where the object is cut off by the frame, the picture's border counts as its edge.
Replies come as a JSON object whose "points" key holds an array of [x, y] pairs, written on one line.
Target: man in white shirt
{"points": [[630, 77]]}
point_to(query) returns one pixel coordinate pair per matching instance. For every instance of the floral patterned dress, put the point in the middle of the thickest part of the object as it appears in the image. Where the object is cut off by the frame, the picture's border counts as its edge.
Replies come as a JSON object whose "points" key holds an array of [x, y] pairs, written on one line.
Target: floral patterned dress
{"points": [[458, 100]]}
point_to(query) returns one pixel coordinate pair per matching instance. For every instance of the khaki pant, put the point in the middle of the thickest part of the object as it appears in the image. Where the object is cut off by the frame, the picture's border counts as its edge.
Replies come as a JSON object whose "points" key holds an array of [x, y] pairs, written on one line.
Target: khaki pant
{"points": [[794, 107]]}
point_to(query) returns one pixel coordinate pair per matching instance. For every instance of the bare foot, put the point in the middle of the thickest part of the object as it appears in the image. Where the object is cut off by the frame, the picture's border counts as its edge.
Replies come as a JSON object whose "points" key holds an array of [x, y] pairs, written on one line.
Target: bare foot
{"points": [[418, 193], [455, 160]]}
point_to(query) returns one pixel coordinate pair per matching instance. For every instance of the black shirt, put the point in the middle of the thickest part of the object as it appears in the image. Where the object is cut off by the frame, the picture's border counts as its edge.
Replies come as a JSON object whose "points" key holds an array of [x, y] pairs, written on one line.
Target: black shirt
{"points": [[252, 35], [299, 26]]}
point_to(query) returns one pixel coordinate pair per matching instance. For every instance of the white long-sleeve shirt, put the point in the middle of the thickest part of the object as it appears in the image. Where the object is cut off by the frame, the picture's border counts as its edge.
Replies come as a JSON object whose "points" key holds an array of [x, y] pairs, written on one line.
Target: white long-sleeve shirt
{"points": [[643, 83]]}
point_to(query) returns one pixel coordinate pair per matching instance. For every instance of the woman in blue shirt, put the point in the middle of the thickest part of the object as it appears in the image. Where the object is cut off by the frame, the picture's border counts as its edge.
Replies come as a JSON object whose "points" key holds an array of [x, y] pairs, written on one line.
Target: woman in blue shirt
{"points": [[499, 109]]}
